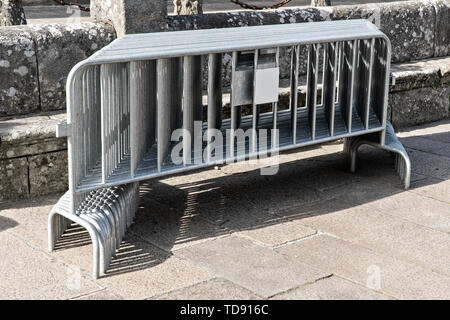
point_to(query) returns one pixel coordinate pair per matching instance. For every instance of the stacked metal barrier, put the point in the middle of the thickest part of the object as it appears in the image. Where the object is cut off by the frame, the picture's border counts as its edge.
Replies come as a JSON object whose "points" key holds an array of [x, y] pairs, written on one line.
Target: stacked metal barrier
{"points": [[125, 102]]}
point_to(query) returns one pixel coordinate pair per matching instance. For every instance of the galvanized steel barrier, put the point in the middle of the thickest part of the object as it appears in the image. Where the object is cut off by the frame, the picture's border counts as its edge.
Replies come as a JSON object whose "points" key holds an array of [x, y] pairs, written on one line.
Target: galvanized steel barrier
{"points": [[125, 101]]}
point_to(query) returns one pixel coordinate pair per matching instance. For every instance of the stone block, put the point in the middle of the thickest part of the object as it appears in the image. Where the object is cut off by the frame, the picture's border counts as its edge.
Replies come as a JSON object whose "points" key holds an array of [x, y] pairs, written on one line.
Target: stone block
{"points": [[30, 135], [131, 16], [48, 173], [420, 74], [18, 72], [14, 179], [59, 47], [419, 105], [442, 35], [410, 25], [11, 13]]}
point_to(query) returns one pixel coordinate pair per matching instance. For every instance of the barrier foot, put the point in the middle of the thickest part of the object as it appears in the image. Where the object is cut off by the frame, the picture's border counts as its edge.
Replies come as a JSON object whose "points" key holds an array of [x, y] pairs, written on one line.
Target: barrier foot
{"points": [[391, 144]]}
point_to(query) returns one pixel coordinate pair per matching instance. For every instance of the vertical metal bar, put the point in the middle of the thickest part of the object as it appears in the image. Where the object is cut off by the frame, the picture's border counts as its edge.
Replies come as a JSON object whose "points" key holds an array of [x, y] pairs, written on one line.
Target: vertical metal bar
{"points": [[142, 107], [369, 84], [295, 61], [192, 102], [255, 113], [214, 96], [329, 83], [236, 111], [346, 81], [105, 97], [275, 106], [215, 91], [380, 89], [311, 88], [165, 86], [352, 83]]}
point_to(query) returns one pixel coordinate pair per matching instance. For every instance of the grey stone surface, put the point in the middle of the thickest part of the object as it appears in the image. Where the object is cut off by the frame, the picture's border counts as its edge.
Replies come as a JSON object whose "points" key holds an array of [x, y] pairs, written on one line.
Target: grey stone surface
{"points": [[278, 233], [385, 233], [131, 16], [442, 35], [30, 153], [425, 144], [28, 219], [430, 165], [433, 188], [171, 229], [419, 106], [12, 13], [32, 127], [99, 295], [410, 25], [59, 47], [141, 270], [419, 209], [48, 173], [14, 179], [214, 289], [332, 288], [254, 267], [382, 273], [18, 72], [378, 224], [28, 273], [420, 74]]}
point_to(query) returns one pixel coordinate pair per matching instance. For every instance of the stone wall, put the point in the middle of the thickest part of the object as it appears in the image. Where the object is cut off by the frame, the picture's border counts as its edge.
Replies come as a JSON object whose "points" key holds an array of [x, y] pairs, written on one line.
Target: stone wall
{"points": [[32, 160], [36, 59]]}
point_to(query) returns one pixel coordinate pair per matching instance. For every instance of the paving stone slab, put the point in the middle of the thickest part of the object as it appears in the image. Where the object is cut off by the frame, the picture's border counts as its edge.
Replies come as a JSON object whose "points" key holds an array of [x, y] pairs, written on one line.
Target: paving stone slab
{"points": [[430, 165], [413, 207], [170, 229], [214, 289], [424, 144], [433, 188], [30, 219], [100, 295], [379, 272], [436, 131], [139, 270], [332, 288], [259, 269], [28, 273], [386, 234], [278, 233]]}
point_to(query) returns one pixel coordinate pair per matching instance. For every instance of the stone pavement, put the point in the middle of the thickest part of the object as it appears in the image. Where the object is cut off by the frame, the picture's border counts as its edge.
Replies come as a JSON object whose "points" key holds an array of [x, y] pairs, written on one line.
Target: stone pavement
{"points": [[313, 231]]}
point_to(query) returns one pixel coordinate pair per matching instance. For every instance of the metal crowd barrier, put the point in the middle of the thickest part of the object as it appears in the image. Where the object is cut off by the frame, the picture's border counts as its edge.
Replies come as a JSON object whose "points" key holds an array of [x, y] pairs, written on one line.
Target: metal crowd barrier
{"points": [[126, 100]]}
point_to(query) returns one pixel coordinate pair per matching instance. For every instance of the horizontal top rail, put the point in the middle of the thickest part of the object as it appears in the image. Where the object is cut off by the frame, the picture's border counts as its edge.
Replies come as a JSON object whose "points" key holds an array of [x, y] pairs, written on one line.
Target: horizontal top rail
{"points": [[196, 42]]}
